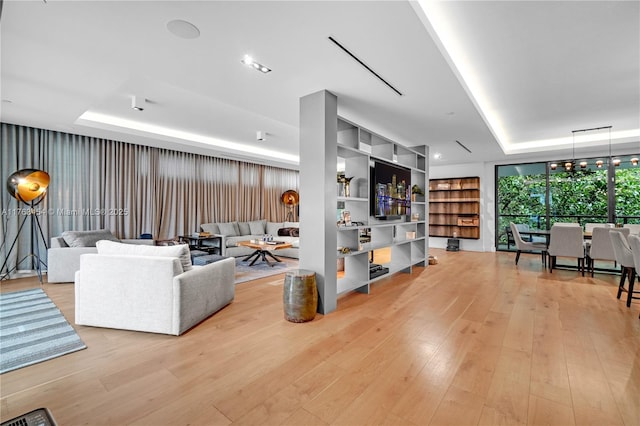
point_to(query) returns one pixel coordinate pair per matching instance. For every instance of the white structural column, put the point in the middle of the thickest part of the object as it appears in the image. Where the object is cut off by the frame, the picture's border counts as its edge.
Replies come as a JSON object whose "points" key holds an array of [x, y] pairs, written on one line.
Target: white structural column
{"points": [[318, 197]]}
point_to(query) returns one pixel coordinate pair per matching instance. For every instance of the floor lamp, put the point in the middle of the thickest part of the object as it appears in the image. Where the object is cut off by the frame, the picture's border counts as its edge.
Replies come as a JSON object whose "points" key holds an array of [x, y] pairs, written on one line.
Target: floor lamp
{"points": [[30, 187], [290, 199]]}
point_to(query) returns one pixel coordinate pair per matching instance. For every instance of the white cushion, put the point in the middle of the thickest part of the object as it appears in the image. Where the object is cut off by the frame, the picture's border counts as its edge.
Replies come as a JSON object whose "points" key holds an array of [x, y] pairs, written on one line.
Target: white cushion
{"points": [[87, 238], [180, 251], [291, 225]]}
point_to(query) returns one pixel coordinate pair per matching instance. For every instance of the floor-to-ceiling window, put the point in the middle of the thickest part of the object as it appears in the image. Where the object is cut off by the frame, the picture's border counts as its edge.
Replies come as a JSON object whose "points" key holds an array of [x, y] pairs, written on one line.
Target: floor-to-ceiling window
{"points": [[578, 195], [537, 195], [627, 190], [521, 198]]}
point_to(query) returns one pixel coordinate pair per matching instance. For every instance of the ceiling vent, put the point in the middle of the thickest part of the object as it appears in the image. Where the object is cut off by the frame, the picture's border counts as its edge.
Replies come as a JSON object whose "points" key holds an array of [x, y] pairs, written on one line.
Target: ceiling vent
{"points": [[337, 43], [463, 147]]}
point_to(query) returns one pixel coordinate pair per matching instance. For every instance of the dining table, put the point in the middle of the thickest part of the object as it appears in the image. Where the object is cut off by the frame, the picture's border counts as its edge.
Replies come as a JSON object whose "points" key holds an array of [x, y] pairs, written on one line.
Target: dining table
{"points": [[547, 234]]}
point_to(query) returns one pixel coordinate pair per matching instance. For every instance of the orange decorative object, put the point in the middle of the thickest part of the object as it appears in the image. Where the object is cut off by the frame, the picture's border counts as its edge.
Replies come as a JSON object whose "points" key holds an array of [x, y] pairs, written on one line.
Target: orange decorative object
{"points": [[290, 197]]}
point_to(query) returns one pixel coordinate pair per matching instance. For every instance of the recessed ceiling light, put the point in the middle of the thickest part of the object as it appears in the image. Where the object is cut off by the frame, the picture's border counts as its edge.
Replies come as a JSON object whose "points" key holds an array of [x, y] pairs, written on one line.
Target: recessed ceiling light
{"points": [[249, 61], [183, 29], [437, 156]]}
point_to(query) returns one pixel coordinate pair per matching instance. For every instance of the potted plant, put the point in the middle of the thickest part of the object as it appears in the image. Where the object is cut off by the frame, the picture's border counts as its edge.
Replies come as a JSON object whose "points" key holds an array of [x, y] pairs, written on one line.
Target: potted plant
{"points": [[415, 191]]}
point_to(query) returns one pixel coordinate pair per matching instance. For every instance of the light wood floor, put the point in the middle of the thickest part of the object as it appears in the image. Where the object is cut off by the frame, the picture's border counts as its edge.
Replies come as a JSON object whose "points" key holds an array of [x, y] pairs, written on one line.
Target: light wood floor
{"points": [[472, 340]]}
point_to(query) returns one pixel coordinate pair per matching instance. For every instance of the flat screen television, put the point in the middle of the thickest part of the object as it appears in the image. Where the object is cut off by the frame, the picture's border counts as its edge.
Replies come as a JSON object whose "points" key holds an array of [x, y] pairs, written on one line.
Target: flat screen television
{"points": [[390, 190]]}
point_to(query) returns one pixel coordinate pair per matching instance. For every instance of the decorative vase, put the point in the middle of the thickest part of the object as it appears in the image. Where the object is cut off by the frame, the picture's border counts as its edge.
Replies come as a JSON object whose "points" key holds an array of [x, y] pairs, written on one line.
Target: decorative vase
{"points": [[347, 188]]}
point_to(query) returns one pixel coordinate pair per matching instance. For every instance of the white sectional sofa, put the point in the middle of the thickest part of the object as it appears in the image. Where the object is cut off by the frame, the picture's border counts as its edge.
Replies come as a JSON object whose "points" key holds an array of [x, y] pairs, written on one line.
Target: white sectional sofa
{"points": [[233, 232], [63, 255]]}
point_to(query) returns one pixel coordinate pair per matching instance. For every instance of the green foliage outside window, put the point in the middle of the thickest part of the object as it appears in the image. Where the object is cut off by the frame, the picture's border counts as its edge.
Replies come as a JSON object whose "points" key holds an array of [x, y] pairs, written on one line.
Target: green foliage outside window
{"points": [[578, 197]]}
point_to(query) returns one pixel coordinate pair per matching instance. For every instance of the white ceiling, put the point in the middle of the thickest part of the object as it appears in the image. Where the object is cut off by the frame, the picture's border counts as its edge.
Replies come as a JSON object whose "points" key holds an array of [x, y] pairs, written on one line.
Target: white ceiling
{"points": [[513, 75]]}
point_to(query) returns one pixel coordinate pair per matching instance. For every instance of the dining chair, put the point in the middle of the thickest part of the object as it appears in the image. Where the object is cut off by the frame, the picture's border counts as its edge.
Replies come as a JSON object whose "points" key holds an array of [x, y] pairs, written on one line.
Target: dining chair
{"points": [[588, 227], [624, 256], [601, 247], [633, 228], [634, 242], [527, 246], [566, 241]]}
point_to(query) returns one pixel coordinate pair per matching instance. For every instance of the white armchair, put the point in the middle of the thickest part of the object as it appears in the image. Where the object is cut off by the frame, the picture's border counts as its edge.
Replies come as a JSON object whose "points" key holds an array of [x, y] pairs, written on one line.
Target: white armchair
{"points": [[152, 294]]}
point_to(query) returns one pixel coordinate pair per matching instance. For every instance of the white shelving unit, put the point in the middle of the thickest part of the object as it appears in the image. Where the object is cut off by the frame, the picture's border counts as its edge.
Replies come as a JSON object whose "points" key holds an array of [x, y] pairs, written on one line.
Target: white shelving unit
{"points": [[405, 239], [327, 140]]}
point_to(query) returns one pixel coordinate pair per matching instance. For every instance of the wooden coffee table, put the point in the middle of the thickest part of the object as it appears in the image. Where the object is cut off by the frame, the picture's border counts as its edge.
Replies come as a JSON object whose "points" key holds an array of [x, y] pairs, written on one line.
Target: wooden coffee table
{"points": [[262, 250]]}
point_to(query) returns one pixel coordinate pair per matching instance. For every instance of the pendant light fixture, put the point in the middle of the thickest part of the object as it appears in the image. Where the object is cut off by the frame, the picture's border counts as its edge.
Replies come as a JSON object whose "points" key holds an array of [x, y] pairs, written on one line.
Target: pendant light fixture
{"points": [[570, 165]]}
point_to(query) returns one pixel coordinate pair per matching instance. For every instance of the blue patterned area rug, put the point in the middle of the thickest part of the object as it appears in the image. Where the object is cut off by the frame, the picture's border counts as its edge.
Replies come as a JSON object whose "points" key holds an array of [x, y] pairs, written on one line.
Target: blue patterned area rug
{"points": [[32, 330], [245, 273]]}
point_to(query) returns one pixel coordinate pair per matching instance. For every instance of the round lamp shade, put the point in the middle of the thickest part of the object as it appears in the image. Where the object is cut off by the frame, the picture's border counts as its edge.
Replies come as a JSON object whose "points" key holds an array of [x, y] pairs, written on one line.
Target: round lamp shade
{"points": [[290, 197], [28, 184]]}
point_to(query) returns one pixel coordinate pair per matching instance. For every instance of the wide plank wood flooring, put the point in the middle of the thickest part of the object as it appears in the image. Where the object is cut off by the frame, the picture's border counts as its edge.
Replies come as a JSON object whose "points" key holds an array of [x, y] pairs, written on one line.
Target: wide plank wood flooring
{"points": [[474, 340]]}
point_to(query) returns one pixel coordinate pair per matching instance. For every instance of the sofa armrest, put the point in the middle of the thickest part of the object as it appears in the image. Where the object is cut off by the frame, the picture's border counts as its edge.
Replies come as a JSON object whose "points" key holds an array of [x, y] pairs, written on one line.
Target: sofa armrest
{"points": [[127, 292], [203, 291], [223, 243], [63, 262], [57, 242]]}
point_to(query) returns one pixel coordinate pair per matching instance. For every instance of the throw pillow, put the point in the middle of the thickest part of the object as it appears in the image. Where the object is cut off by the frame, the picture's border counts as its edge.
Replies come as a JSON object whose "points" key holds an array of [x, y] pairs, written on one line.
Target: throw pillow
{"points": [[289, 232], [180, 251], [283, 232], [257, 227], [211, 228], [229, 229], [272, 228], [243, 228], [87, 238]]}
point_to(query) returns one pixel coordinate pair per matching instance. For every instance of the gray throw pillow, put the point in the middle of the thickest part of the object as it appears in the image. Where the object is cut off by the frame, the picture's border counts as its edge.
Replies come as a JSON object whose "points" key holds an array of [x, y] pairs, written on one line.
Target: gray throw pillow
{"points": [[272, 228], [87, 238], [244, 229], [211, 228], [257, 227], [229, 229]]}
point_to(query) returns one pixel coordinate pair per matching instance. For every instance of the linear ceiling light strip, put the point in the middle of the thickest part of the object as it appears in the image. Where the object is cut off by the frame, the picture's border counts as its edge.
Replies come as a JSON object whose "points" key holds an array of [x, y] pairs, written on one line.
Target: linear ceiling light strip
{"points": [[464, 147], [364, 65]]}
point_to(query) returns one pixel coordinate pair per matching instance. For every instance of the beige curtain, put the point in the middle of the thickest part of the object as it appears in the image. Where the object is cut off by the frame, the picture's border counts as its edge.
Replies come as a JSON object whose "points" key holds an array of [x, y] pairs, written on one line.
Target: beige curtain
{"points": [[131, 189]]}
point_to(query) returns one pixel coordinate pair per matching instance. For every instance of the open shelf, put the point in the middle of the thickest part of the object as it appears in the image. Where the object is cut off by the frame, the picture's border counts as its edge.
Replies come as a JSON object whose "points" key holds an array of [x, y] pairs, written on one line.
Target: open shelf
{"points": [[454, 207], [395, 244]]}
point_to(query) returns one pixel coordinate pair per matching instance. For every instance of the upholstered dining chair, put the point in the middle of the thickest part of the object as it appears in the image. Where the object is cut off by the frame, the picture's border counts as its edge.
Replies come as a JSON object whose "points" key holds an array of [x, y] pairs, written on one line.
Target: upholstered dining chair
{"points": [[633, 228], [527, 246], [634, 242], [566, 241], [588, 227], [624, 257], [601, 247]]}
